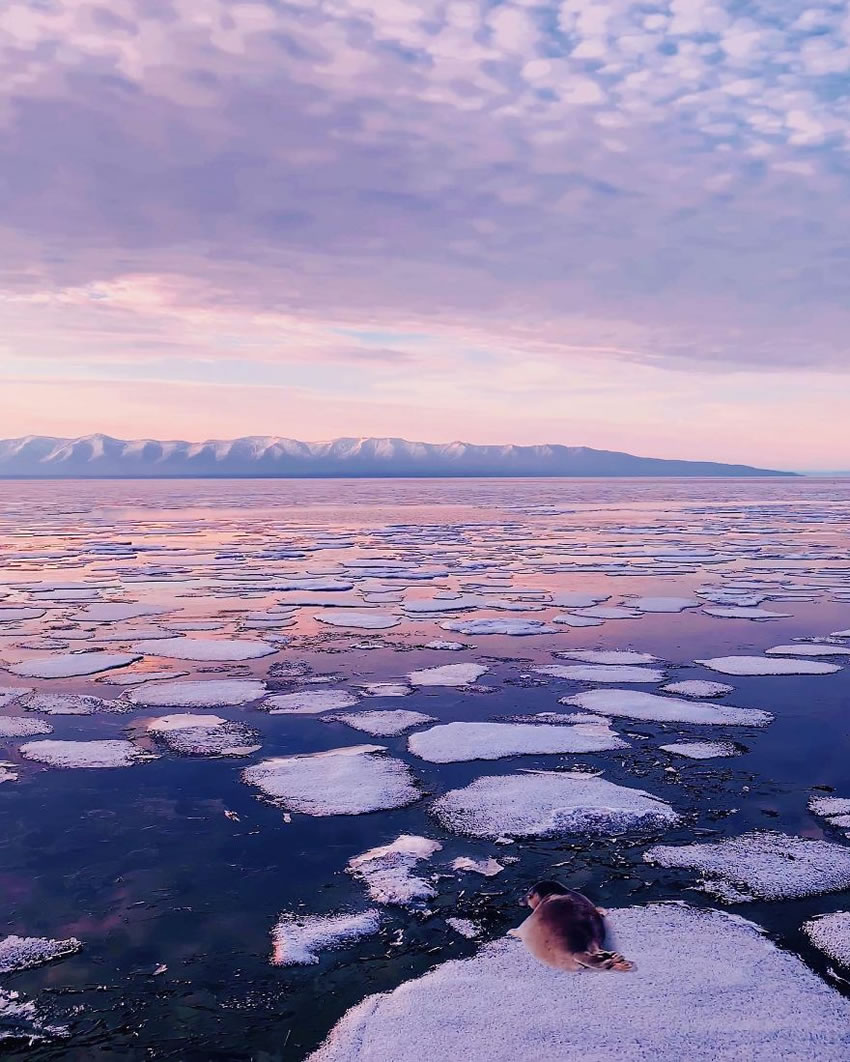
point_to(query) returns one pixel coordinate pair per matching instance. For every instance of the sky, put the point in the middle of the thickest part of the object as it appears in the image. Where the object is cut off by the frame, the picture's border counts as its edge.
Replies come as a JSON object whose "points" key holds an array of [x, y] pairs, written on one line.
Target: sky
{"points": [[616, 224]]}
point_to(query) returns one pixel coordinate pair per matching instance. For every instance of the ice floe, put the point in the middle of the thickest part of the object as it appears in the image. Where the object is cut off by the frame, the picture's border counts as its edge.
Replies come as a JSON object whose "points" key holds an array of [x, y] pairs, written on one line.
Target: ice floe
{"points": [[550, 803], [635, 704], [698, 688], [830, 933], [601, 673], [109, 753], [385, 689], [308, 702], [387, 723], [808, 649], [69, 704], [515, 627], [488, 868], [464, 927], [708, 986], [702, 750], [387, 871], [761, 865], [198, 693], [298, 940], [116, 612], [448, 675], [21, 953], [442, 645], [206, 648], [662, 604], [371, 621], [345, 781], [454, 742], [12, 694], [71, 665], [606, 656], [204, 735], [743, 612], [766, 665], [14, 727]]}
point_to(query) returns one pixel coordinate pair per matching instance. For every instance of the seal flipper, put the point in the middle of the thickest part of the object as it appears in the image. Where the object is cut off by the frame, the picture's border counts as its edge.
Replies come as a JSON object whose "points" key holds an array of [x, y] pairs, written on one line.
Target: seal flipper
{"points": [[605, 960]]}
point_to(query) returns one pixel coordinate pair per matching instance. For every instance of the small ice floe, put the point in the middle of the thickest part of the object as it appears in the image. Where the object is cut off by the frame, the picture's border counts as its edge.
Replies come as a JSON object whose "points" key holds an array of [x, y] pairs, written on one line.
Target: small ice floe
{"points": [[766, 665], [488, 868], [663, 604], [570, 620], [577, 599], [744, 612], [387, 871], [443, 646], [370, 621], [601, 673], [12, 614], [702, 750], [308, 702], [709, 986], [830, 933], [211, 649], [448, 675], [383, 723], [836, 810], [455, 742], [71, 665], [698, 688], [606, 656], [111, 753], [761, 865], [204, 735], [14, 727], [12, 694], [21, 953], [516, 627], [809, 649], [116, 612], [608, 612], [635, 704], [198, 693], [550, 803], [385, 689], [346, 781], [464, 927], [297, 940], [133, 678], [70, 704], [7, 774]]}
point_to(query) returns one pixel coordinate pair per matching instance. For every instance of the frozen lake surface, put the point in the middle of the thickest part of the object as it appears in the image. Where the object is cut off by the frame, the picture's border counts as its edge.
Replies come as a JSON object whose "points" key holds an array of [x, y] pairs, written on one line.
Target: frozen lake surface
{"points": [[199, 789]]}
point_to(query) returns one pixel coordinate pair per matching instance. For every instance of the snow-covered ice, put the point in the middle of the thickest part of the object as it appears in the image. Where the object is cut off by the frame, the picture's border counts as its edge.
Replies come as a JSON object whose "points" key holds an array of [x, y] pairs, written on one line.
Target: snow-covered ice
{"points": [[606, 656], [636, 704], [370, 621], [702, 750], [766, 665], [662, 604], [71, 665], [515, 627], [309, 702], [204, 735], [601, 673], [21, 953], [70, 704], [454, 742], [211, 649], [830, 933], [387, 723], [14, 727], [698, 688], [298, 939], [488, 868], [198, 693], [448, 675], [387, 870], [109, 753], [808, 649]]}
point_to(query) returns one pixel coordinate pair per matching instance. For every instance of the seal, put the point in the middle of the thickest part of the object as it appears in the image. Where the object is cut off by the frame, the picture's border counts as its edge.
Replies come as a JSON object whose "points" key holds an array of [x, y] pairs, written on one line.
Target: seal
{"points": [[567, 930]]}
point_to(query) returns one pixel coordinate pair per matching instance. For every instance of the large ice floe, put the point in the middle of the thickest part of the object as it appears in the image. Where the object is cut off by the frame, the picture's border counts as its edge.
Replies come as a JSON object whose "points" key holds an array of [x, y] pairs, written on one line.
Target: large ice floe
{"points": [[21, 953], [204, 735], [448, 675], [767, 665], [601, 673], [453, 742], [708, 987], [516, 627], [761, 865], [197, 693], [211, 649], [636, 704], [702, 750], [550, 803], [109, 753], [830, 933], [298, 939], [387, 723], [308, 702], [71, 665], [387, 871], [346, 781]]}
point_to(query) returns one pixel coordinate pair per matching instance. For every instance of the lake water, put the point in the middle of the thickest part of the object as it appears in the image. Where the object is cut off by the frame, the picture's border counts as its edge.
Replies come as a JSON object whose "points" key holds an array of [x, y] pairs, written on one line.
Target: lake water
{"points": [[143, 866]]}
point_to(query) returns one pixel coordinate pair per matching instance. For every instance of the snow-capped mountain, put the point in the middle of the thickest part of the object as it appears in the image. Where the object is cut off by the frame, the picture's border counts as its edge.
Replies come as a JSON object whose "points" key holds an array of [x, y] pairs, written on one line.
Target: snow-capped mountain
{"points": [[261, 455]]}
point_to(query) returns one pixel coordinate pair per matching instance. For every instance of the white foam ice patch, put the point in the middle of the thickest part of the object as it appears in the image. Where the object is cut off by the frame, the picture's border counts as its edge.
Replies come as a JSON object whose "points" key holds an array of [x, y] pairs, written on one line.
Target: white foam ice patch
{"points": [[344, 781], [21, 953], [71, 665], [744, 612], [206, 648], [708, 986], [454, 742], [761, 865], [442, 645], [204, 735], [808, 649], [550, 803], [298, 940], [69, 704], [698, 688], [464, 927], [635, 704], [606, 656], [601, 673], [830, 933], [110, 753], [515, 627], [448, 675], [488, 868], [14, 727], [387, 723], [388, 870], [385, 689], [198, 693], [308, 702], [371, 621], [663, 604], [702, 750], [12, 694], [767, 665]]}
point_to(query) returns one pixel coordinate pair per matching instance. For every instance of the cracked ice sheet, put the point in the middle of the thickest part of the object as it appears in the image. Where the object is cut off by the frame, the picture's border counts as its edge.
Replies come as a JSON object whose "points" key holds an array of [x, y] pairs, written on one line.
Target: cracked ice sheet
{"points": [[550, 803], [72, 665], [455, 742], [345, 781], [761, 865], [635, 704], [387, 871], [298, 939], [504, 1006], [765, 665]]}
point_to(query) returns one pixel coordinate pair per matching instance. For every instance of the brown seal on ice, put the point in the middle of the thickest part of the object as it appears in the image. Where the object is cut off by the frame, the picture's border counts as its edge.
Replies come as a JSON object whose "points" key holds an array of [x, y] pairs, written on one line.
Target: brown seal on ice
{"points": [[567, 931]]}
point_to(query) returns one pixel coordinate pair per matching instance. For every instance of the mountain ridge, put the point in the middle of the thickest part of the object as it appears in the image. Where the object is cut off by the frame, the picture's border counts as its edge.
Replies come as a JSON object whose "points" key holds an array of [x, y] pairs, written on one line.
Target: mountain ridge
{"points": [[263, 456]]}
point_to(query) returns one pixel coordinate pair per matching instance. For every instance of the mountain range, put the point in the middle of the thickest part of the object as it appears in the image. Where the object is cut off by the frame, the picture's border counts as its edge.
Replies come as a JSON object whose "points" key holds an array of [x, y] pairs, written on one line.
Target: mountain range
{"points": [[101, 455]]}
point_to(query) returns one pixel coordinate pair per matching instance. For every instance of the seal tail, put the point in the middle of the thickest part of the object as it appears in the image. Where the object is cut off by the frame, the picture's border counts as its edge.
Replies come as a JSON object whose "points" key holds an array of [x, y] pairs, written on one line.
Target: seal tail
{"points": [[605, 960]]}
